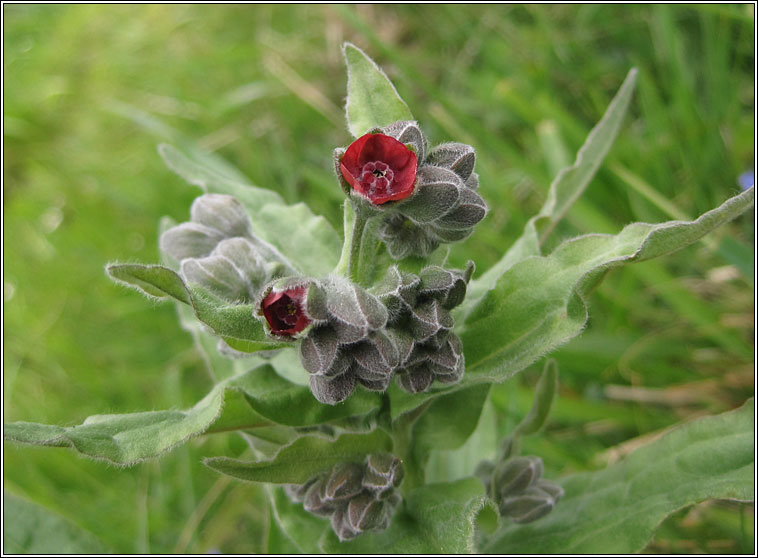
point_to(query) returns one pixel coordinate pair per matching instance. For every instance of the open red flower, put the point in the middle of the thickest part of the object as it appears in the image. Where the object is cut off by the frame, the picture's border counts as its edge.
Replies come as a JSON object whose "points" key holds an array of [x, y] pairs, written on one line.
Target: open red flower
{"points": [[380, 168], [284, 311]]}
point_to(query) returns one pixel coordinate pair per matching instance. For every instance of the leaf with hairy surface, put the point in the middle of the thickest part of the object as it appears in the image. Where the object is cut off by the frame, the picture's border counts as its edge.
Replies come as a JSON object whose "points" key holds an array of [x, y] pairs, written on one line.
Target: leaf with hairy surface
{"points": [[617, 510]]}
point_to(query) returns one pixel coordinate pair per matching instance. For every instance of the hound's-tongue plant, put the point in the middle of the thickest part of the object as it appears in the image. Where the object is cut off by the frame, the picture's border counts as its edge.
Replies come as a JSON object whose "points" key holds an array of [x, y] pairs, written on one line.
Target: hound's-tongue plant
{"points": [[399, 350]]}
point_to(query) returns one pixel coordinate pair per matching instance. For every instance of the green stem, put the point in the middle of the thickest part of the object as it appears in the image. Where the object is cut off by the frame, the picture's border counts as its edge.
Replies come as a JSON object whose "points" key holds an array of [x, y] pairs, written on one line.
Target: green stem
{"points": [[355, 259], [402, 432]]}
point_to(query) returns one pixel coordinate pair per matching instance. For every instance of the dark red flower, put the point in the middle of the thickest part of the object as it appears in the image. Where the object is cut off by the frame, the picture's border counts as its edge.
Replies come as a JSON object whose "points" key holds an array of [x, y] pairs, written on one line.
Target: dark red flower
{"points": [[284, 312], [380, 168]]}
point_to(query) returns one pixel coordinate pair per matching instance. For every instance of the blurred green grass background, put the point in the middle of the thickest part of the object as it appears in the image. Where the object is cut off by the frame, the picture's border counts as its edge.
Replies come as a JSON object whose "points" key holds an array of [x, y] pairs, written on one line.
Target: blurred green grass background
{"points": [[90, 90]]}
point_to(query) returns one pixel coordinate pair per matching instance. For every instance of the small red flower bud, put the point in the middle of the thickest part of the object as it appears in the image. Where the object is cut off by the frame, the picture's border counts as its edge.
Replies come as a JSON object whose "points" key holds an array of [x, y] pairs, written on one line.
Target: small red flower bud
{"points": [[284, 311], [380, 168]]}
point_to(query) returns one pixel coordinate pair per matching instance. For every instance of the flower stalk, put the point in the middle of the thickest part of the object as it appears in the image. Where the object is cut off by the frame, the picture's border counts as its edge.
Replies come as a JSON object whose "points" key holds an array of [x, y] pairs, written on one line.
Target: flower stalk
{"points": [[360, 235]]}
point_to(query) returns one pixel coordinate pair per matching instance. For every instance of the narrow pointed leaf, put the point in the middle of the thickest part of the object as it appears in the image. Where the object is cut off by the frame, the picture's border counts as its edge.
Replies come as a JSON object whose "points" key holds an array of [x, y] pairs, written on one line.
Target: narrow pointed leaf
{"points": [[258, 398], [538, 304], [304, 458], [617, 510], [564, 191], [372, 100], [236, 323]]}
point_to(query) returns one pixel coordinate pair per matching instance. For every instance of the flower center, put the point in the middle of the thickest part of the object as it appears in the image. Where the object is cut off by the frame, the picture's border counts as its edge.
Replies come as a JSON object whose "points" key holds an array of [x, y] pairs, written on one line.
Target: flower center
{"points": [[376, 178], [285, 312]]}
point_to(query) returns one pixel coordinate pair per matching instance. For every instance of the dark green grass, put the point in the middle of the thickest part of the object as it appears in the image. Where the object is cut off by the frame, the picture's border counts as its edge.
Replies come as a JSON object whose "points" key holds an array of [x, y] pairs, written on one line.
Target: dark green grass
{"points": [[263, 86]]}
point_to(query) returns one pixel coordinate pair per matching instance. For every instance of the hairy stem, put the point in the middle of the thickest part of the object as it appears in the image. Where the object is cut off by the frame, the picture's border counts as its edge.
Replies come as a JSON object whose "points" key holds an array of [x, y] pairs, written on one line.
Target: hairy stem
{"points": [[402, 431], [358, 251]]}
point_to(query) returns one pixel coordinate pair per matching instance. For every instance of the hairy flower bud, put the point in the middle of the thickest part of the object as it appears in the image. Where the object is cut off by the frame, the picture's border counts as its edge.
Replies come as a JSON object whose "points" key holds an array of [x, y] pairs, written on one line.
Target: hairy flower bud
{"points": [[365, 513], [358, 497], [316, 502], [408, 133], [448, 286], [518, 489], [398, 291], [190, 240], [332, 390], [347, 344], [535, 502], [233, 270], [458, 157], [515, 475], [221, 212], [383, 471], [344, 482]]}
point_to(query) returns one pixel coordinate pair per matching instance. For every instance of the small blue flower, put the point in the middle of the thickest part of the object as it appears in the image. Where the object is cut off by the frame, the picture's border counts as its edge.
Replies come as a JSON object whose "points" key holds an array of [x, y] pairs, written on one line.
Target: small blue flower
{"points": [[747, 180]]}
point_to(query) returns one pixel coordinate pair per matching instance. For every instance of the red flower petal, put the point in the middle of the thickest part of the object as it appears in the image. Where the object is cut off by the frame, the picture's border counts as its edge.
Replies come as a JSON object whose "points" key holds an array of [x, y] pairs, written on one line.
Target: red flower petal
{"points": [[284, 312], [380, 148]]}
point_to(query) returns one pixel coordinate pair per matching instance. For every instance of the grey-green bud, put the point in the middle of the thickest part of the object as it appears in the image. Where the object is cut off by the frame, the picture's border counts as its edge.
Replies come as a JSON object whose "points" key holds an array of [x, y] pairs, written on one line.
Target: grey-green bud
{"points": [[319, 351], [221, 212], [332, 390], [415, 379], [365, 513], [470, 210], [383, 471], [409, 133], [343, 482], [515, 475], [458, 157], [233, 270], [437, 193], [353, 311], [190, 240], [398, 291], [315, 502], [428, 319], [528, 506]]}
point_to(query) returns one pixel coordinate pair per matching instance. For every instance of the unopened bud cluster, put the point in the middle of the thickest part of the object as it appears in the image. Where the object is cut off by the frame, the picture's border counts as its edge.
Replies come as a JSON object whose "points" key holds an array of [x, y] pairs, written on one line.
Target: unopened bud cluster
{"points": [[443, 205], [217, 250], [401, 327], [358, 497], [517, 487], [421, 325]]}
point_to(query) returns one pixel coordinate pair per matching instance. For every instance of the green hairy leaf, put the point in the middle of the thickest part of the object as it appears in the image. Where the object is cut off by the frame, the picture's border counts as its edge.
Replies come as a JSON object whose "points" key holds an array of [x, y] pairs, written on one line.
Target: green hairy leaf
{"points": [[304, 458], [563, 192], [539, 303], [236, 323], [437, 519], [29, 528], [372, 100], [617, 510], [258, 398], [450, 419]]}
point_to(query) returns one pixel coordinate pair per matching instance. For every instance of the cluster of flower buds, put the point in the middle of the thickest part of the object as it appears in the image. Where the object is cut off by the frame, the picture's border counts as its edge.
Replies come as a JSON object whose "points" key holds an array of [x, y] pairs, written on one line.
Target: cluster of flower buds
{"points": [[217, 250], [427, 198], [358, 497], [353, 336], [517, 487], [420, 323], [346, 343]]}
